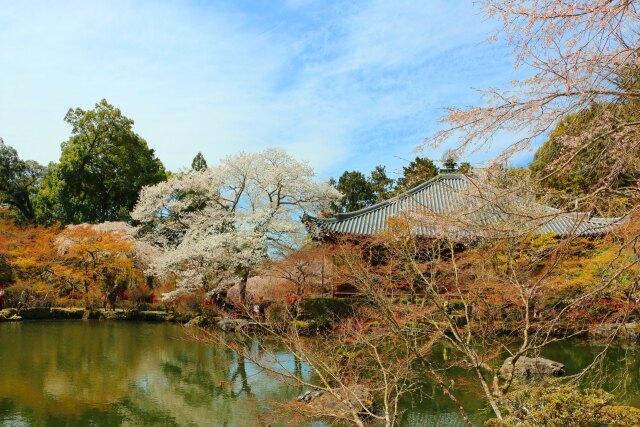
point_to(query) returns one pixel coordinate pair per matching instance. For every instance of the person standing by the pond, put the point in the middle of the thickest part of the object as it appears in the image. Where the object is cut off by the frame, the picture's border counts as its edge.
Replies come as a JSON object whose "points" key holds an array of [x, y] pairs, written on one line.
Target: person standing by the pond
{"points": [[256, 308], [111, 299]]}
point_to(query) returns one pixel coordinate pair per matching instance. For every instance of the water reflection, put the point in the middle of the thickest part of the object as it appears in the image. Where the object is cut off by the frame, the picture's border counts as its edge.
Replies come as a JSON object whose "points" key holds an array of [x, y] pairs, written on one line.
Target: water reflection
{"points": [[84, 373], [76, 373]]}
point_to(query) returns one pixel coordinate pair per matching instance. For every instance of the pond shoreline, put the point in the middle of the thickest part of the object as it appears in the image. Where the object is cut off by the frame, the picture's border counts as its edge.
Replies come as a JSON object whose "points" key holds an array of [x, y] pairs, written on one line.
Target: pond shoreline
{"points": [[629, 333], [78, 313]]}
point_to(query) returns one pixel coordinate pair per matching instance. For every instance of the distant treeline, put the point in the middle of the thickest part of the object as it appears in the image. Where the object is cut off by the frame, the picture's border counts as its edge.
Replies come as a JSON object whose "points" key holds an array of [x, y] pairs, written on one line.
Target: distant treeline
{"points": [[361, 191], [561, 182], [104, 164]]}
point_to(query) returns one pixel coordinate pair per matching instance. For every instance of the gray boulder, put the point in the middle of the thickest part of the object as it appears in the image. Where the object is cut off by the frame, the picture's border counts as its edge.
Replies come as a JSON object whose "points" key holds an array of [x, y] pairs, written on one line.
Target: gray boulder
{"points": [[628, 331], [231, 325], [310, 395], [531, 366], [8, 312], [9, 315], [340, 402]]}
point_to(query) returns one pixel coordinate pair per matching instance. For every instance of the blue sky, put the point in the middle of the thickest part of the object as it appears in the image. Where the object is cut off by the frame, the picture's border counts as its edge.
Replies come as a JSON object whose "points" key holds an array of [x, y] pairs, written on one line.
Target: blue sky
{"points": [[343, 84]]}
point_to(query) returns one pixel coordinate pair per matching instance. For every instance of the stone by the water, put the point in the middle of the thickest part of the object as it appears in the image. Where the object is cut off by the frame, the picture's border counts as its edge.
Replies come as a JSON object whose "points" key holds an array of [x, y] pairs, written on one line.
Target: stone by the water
{"points": [[231, 325], [628, 331], [532, 366], [319, 403]]}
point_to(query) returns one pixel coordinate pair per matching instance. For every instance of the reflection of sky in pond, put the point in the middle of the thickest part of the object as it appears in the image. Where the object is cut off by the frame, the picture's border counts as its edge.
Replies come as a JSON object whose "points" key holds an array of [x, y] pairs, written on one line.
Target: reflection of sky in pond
{"points": [[83, 373], [284, 363]]}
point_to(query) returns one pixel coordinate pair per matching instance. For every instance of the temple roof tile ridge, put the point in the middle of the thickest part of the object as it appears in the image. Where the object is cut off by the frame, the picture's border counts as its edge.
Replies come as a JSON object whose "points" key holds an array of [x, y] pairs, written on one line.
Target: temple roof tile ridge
{"points": [[443, 194]]}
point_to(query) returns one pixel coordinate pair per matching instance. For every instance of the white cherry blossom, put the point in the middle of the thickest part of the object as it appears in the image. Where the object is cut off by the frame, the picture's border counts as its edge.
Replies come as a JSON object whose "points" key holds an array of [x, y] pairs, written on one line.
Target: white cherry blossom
{"points": [[223, 222]]}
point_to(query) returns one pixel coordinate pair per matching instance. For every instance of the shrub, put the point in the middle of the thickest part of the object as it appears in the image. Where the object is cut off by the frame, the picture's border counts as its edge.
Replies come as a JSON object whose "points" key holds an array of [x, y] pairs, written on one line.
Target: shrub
{"points": [[145, 306], [139, 294], [566, 406], [277, 314], [6, 275], [13, 295], [304, 327], [69, 302], [29, 294], [95, 298], [325, 311], [188, 303]]}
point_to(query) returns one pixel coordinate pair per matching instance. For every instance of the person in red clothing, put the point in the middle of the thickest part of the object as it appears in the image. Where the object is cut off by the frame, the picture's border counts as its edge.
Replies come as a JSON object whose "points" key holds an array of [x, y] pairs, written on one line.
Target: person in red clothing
{"points": [[290, 299]]}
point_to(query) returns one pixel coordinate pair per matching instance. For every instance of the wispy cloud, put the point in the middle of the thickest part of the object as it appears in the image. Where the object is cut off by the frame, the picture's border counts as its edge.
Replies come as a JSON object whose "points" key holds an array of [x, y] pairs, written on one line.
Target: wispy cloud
{"points": [[343, 84]]}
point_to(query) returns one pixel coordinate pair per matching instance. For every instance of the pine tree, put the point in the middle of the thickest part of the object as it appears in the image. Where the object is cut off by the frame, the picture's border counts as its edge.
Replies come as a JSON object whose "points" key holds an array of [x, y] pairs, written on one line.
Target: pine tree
{"points": [[199, 163]]}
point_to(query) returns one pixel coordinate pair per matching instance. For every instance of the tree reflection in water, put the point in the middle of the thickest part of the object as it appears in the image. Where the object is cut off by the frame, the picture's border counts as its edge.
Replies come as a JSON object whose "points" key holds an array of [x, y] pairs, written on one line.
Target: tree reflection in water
{"points": [[121, 373], [111, 373]]}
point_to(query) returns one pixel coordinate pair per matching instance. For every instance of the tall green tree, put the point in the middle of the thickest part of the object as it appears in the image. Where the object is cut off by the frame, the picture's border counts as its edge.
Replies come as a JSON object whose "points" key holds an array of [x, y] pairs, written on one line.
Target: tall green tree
{"points": [[357, 190], [416, 172], [19, 182], [450, 165], [199, 163], [381, 184], [103, 166]]}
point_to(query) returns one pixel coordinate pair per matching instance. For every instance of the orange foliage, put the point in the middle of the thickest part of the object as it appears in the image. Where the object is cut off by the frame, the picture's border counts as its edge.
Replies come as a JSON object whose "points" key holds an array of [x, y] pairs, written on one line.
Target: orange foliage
{"points": [[77, 261], [96, 258], [30, 251]]}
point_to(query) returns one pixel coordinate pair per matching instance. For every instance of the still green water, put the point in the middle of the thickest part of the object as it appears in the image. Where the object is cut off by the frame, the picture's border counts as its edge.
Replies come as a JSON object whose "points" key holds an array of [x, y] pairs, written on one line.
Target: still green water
{"points": [[74, 373]]}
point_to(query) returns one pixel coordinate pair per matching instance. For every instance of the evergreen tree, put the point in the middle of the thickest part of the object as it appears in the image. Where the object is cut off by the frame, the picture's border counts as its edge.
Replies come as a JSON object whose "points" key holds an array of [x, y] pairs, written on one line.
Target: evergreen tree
{"points": [[381, 184], [199, 163], [357, 190], [102, 168], [450, 165], [19, 182], [465, 168], [418, 171]]}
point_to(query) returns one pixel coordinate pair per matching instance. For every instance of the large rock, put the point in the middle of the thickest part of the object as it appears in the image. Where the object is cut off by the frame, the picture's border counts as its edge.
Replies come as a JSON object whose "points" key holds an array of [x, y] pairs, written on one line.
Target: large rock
{"points": [[628, 331], [231, 325], [532, 366], [112, 315], [8, 312], [341, 402], [9, 315], [35, 313]]}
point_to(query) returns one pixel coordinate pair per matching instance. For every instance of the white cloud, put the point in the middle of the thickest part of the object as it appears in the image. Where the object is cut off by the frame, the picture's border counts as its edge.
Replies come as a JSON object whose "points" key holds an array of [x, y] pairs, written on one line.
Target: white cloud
{"points": [[343, 85]]}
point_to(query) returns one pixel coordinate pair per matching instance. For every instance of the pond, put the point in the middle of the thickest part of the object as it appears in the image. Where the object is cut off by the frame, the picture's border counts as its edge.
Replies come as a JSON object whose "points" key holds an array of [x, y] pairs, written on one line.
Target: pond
{"points": [[75, 373]]}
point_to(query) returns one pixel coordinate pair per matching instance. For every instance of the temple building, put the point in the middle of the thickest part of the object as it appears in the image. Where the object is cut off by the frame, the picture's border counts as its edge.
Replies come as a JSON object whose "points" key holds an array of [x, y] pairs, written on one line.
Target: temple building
{"points": [[460, 206]]}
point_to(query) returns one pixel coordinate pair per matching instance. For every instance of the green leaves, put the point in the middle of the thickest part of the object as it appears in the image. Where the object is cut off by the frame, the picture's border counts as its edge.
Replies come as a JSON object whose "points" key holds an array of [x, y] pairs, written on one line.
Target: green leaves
{"points": [[416, 172], [199, 163], [358, 192], [103, 166], [19, 182]]}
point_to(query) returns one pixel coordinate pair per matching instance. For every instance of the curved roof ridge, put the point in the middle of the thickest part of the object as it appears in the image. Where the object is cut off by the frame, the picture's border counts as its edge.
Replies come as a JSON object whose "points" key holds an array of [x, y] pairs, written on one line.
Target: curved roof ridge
{"points": [[443, 192], [399, 197]]}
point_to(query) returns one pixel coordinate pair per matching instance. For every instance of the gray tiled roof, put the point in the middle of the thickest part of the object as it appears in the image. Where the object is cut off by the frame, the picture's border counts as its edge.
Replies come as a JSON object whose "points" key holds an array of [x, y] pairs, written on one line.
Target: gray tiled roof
{"points": [[458, 196]]}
